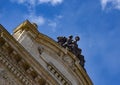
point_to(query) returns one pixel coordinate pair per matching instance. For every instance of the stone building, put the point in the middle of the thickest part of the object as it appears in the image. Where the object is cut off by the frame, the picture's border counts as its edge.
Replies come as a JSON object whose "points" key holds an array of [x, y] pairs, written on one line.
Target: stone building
{"points": [[28, 57]]}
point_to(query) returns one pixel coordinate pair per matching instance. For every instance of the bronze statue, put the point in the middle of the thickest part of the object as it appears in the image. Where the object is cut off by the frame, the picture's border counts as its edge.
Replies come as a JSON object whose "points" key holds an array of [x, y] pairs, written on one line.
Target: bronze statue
{"points": [[72, 46], [61, 40], [75, 46], [68, 43]]}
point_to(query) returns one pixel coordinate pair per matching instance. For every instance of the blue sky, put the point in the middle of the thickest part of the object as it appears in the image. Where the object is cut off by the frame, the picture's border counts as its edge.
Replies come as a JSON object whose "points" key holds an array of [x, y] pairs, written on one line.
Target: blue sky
{"points": [[97, 22]]}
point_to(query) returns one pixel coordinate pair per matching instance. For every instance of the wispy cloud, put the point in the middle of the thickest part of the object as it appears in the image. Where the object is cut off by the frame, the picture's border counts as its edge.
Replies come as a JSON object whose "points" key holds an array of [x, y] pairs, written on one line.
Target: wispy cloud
{"points": [[37, 2], [53, 2], [54, 23], [110, 4], [37, 19], [40, 20], [30, 2], [31, 9]]}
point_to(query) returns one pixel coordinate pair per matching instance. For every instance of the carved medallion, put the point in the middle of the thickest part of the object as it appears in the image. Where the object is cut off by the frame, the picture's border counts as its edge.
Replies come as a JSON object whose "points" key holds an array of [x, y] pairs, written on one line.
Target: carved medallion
{"points": [[68, 60]]}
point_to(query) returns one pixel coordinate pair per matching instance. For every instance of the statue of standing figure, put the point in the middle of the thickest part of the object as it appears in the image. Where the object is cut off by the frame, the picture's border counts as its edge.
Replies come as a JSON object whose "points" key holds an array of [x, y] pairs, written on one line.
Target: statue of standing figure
{"points": [[61, 40], [68, 43], [75, 49]]}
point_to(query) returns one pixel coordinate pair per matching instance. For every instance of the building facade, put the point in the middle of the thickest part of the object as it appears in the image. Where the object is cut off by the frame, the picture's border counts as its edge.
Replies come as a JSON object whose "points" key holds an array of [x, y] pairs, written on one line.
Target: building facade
{"points": [[28, 57]]}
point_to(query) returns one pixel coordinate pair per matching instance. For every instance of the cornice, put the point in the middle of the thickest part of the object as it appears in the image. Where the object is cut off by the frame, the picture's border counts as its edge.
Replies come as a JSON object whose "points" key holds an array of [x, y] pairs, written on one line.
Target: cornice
{"points": [[26, 25], [25, 55]]}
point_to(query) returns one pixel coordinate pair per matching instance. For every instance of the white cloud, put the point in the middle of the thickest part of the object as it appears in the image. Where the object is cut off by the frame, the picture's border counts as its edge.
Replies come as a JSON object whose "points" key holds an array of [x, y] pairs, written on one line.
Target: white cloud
{"points": [[37, 2], [103, 2], [53, 2], [39, 20], [59, 16], [111, 3], [31, 2]]}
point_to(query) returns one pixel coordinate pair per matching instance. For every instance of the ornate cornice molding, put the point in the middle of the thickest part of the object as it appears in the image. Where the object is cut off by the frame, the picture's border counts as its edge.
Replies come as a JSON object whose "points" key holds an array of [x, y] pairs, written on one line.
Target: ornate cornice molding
{"points": [[23, 64]]}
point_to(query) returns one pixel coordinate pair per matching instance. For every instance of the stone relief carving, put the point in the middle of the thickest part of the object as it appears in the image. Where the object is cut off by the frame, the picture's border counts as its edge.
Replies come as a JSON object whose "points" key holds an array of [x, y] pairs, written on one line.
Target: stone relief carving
{"points": [[68, 60], [40, 50]]}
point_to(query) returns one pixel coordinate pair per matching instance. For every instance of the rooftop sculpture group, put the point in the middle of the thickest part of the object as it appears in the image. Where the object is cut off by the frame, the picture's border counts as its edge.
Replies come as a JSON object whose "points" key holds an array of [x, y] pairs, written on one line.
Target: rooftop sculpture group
{"points": [[72, 46]]}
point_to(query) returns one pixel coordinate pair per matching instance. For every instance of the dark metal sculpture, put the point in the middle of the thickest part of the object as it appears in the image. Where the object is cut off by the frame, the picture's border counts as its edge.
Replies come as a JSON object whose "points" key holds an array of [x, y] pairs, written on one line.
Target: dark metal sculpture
{"points": [[61, 40], [72, 46], [68, 43]]}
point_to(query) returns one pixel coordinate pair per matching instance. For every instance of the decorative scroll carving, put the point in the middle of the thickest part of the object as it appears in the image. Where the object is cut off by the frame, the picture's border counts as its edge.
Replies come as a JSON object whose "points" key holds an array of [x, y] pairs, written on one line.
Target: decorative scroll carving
{"points": [[58, 74]]}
